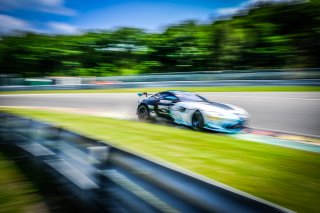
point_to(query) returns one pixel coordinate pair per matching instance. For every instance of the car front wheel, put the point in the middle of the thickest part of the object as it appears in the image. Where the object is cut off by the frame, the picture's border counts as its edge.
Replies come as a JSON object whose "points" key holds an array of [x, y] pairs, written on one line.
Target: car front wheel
{"points": [[197, 121]]}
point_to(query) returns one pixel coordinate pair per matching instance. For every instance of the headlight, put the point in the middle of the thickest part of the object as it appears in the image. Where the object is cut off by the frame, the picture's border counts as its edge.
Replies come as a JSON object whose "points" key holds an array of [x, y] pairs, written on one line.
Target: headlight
{"points": [[241, 112], [214, 116]]}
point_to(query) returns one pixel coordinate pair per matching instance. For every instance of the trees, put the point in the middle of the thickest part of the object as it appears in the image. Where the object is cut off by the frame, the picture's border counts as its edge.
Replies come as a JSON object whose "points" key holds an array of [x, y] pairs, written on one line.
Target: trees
{"points": [[271, 35]]}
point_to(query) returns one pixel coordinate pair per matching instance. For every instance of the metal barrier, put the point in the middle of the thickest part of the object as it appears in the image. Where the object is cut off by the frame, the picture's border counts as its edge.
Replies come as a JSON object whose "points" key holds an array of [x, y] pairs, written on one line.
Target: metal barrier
{"points": [[271, 77], [168, 84], [114, 180], [220, 75]]}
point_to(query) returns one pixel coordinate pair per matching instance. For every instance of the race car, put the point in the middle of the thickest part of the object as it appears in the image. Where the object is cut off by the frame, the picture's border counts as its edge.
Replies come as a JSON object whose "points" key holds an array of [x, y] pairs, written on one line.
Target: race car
{"points": [[192, 110]]}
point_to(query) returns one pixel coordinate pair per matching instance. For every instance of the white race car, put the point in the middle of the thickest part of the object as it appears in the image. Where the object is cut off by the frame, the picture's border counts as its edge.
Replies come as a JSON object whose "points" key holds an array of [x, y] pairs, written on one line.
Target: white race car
{"points": [[192, 110]]}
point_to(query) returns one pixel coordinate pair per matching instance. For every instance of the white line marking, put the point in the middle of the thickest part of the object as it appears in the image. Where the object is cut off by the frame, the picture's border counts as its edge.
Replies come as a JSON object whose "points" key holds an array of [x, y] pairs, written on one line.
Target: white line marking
{"points": [[93, 112]]}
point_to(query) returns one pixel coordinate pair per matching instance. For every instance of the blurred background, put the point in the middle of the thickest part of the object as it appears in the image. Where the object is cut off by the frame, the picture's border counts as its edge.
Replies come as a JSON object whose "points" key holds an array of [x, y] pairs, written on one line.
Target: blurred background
{"points": [[79, 44], [58, 38]]}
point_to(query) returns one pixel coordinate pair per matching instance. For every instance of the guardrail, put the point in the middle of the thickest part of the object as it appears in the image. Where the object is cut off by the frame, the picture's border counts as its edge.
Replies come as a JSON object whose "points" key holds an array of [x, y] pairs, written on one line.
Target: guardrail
{"points": [[114, 180], [223, 75], [168, 84], [262, 77]]}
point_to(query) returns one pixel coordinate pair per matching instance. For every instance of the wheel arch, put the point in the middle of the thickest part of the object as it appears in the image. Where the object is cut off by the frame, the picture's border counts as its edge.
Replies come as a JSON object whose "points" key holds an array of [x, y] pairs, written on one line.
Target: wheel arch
{"points": [[195, 111], [143, 104]]}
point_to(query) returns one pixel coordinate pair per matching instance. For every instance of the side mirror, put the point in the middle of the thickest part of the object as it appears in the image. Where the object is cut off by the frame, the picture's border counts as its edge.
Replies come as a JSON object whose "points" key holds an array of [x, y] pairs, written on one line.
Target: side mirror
{"points": [[181, 109]]}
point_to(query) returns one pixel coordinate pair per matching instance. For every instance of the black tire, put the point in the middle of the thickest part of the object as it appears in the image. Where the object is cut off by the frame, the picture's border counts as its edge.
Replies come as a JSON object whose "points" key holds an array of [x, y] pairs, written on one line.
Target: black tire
{"points": [[143, 113], [197, 121]]}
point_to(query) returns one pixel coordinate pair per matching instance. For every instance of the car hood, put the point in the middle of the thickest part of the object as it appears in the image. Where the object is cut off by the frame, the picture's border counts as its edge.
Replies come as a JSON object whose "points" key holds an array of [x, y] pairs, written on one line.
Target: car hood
{"points": [[214, 107]]}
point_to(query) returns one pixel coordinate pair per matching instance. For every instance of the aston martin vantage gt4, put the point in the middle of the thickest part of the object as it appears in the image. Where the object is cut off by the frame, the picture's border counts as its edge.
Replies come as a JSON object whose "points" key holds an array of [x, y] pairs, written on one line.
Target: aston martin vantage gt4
{"points": [[192, 110]]}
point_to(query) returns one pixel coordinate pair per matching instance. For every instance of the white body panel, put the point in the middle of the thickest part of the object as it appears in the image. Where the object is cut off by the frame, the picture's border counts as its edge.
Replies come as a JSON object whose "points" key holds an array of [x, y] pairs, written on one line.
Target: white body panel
{"points": [[216, 115]]}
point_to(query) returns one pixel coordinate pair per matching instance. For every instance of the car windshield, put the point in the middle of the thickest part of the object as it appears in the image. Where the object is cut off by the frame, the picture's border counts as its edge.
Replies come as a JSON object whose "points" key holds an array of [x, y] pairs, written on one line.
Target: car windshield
{"points": [[190, 97]]}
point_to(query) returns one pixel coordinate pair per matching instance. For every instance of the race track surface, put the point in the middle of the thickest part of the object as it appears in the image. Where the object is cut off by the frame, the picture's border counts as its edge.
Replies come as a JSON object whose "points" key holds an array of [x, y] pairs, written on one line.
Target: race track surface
{"points": [[295, 112]]}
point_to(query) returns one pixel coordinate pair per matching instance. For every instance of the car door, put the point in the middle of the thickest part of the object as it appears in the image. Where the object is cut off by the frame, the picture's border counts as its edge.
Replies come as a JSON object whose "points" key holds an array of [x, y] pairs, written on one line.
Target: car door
{"points": [[165, 103]]}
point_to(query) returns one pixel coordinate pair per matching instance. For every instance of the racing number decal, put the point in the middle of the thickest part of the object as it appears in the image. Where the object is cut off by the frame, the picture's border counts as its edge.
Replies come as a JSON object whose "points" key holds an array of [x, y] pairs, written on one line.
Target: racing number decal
{"points": [[163, 109]]}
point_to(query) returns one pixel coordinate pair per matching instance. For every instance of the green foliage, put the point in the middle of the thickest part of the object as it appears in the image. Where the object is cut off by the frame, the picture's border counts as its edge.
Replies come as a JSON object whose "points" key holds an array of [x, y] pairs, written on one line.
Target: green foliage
{"points": [[269, 35]]}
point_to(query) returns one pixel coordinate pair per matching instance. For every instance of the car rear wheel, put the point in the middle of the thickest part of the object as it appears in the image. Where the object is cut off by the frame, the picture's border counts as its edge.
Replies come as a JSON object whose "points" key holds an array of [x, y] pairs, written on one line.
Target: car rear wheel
{"points": [[197, 121], [143, 113]]}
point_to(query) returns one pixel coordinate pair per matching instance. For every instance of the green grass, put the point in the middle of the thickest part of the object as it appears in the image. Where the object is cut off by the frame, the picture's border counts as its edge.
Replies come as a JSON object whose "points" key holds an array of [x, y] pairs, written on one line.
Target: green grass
{"points": [[288, 177], [191, 89], [16, 193]]}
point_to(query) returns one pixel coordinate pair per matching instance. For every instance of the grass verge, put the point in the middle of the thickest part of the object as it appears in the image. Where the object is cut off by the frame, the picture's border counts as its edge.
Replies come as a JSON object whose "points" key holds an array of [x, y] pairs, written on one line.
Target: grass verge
{"points": [[288, 177], [191, 89]]}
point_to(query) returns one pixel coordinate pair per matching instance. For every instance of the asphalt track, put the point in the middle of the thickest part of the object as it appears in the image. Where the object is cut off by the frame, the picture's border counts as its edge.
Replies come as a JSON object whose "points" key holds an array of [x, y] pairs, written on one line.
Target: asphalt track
{"points": [[294, 112]]}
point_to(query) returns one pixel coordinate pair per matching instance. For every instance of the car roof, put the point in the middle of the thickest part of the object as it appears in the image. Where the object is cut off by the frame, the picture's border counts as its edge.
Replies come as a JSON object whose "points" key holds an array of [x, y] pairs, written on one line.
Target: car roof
{"points": [[177, 91]]}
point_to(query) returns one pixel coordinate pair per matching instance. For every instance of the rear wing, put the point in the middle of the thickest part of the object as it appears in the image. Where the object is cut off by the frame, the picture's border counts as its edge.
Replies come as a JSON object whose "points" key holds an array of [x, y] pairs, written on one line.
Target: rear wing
{"points": [[144, 93]]}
